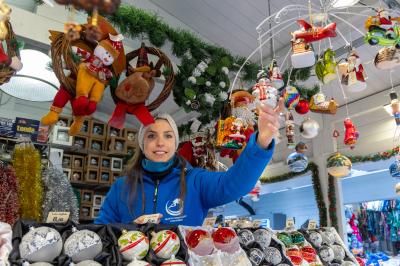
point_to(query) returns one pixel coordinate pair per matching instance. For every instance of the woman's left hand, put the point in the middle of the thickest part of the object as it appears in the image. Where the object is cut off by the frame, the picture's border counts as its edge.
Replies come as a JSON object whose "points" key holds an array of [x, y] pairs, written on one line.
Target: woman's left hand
{"points": [[268, 123]]}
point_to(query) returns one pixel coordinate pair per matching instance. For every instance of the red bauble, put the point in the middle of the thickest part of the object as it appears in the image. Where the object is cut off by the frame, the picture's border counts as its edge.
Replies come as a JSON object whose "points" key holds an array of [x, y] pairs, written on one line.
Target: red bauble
{"points": [[225, 239], [200, 242], [194, 237], [223, 235], [302, 107]]}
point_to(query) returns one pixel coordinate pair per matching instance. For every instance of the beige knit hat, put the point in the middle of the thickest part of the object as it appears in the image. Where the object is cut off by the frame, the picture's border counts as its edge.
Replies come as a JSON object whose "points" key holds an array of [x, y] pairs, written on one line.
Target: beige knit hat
{"points": [[171, 122]]}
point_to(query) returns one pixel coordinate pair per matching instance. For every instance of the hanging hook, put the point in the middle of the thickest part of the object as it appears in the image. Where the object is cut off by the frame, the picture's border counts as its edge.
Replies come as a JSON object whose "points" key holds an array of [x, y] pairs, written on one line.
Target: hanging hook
{"points": [[391, 80], [260, 47]]}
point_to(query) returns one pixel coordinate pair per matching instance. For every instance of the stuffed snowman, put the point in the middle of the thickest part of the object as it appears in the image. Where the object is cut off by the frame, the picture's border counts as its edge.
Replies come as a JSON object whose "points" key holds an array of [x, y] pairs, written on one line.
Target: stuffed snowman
{"points": [[93, 75]]}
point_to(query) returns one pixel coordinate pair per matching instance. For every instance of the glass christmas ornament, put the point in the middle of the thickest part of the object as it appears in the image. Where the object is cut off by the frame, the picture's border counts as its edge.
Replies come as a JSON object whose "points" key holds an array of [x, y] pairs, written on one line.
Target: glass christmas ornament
{"points": [[291, 97], [263, 237], [246, 237], [316, 239], [133, 244], [200, 242], [225, 239], [273, 255], [256, 256], [297, 162], [83, 245], [165, 244], [338, 165]]}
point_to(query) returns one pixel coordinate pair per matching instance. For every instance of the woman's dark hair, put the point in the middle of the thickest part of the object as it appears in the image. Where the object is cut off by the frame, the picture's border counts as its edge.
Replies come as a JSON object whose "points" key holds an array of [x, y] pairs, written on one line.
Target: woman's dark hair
{"points": [[134, 173]]}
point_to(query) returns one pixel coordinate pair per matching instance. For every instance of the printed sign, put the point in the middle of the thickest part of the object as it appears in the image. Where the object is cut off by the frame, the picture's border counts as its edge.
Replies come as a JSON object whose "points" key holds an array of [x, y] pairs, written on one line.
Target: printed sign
{"points": [[26, 128], [57, 217]]}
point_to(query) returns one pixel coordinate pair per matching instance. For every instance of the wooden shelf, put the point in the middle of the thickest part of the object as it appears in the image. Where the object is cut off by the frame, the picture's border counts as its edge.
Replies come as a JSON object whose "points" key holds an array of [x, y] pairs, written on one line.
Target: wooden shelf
{"points": [[95, 187], [86, 220], [72, 149], [17, 140]]}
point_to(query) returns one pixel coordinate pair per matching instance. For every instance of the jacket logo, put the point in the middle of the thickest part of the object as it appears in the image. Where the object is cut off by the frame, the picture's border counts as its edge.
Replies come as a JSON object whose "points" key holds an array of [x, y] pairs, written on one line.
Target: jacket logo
{"points": [[174, 208]]}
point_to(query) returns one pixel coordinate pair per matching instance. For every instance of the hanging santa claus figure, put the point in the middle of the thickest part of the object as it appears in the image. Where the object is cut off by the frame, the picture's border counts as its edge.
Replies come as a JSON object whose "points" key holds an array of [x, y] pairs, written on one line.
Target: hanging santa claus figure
{"points": [[352, 73], [351, 134]]}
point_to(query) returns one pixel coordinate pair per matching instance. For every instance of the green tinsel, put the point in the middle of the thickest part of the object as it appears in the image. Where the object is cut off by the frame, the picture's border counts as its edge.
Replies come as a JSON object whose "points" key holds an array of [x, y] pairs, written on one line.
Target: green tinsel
{"points": [[316, 185]]}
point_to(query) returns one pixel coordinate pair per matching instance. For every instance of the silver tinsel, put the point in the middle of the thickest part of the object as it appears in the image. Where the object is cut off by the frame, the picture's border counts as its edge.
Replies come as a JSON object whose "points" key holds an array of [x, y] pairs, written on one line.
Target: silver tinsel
{"points": [[58, 194]]}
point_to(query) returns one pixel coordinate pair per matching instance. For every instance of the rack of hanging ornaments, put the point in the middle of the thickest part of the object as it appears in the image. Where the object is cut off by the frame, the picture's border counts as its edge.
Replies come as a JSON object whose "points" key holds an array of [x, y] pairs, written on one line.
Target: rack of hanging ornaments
{"points": [[317, 25]]}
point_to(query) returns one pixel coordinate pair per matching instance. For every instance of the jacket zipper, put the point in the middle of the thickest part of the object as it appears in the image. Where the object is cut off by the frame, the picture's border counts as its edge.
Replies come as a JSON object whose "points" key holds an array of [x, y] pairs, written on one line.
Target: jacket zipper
{"points": [[155, 197]]}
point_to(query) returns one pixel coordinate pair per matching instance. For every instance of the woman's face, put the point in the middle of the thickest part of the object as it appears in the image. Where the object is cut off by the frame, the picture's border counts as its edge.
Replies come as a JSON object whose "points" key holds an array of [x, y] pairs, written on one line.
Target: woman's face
{"points": [[159, 141]]}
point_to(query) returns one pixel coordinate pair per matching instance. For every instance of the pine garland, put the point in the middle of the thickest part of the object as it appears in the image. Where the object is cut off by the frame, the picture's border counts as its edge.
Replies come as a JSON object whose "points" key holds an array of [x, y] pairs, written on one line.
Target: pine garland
{"points": [[379, 156], [316, 185], [191, 50], [332, 201]]}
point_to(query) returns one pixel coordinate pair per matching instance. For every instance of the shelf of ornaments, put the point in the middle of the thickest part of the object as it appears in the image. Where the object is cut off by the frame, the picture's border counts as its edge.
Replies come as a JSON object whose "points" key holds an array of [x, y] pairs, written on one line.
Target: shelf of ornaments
{"points": [[86, 151]]}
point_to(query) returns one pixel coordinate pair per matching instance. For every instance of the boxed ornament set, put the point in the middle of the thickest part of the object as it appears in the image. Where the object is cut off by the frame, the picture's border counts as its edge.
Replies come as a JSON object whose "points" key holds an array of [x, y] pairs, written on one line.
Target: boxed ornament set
{"points": [[154, 244]]}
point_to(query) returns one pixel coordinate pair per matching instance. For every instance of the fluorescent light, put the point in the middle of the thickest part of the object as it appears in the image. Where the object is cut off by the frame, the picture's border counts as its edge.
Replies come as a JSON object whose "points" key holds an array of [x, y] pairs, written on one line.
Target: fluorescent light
{"points": [[343, 3], [388, 109], [34, 82]]}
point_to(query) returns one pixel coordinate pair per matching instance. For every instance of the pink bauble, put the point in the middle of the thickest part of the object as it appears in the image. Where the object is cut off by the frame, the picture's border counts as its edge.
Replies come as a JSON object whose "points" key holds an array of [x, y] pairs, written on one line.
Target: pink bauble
{"points": [[225, 239], [199, 241]]}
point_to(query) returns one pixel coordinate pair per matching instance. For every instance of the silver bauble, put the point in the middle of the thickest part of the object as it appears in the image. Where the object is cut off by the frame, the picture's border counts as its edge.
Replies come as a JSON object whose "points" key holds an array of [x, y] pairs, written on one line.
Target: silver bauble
{"points": [[42, 244], [83, 245], [309, 128]]}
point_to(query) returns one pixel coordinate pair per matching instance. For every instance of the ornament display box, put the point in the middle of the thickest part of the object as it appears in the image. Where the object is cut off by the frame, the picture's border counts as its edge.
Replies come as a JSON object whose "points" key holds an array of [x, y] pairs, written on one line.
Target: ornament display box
{"points": [[77, 162], [130, 135], [67, 161], [92, 176], [96, 145], [116, 145], [93, 161], [80, 142], [85, 128], [114, 132], [105, 163], [105, 177], [115, 176], [109, 235], [98, 129]]}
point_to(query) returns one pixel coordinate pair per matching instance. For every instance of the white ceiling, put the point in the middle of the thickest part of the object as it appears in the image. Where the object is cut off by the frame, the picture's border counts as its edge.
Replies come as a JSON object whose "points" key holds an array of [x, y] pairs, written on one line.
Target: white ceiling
{"points": [[232, 25]]}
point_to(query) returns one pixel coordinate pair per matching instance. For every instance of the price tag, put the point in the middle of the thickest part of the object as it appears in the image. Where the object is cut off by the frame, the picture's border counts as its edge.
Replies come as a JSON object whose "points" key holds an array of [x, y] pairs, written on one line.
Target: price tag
{"points": [[312, 225], [256, 223], [57, 217], [233, 223], [209, 222], [149, 218], [290, 223]]}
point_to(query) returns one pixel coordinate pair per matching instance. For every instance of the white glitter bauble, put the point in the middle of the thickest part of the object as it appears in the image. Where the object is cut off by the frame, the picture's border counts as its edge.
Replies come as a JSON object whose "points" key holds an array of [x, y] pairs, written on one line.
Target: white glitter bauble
{"points": [[42, 244], [83, 245]]}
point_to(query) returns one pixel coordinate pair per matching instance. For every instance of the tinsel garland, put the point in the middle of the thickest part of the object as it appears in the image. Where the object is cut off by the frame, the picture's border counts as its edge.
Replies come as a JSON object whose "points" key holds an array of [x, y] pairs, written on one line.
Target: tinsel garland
{"points": [[58, 194], [316, 185], [9, 204], [332, 201], [26, 162]]}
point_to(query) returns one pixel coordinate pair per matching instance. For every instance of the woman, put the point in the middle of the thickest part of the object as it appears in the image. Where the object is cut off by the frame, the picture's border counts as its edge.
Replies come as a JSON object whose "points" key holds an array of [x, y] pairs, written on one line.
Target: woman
{"points": [[160, 181]]}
